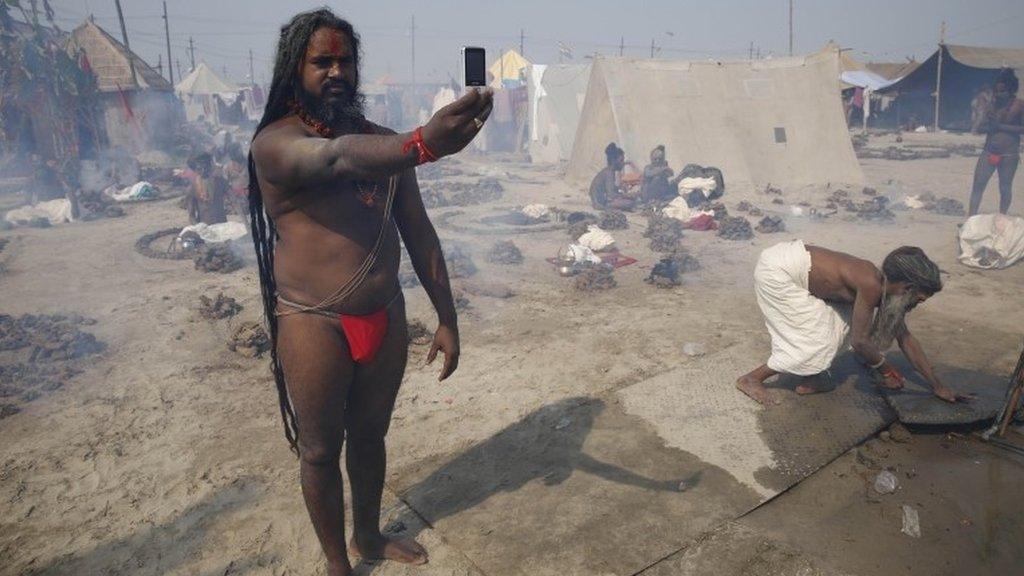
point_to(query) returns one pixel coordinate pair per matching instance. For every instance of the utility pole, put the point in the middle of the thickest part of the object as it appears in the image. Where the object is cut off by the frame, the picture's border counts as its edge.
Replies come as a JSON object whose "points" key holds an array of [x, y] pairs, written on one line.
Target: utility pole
{"points": [[622, 45], [522, 38], [160, 64], [252, 70], [790, 27], [412, 34], [124, 35], [177, 62], [192, 52], [652, 47], [938, 75], [167, 35], [750, 54]]}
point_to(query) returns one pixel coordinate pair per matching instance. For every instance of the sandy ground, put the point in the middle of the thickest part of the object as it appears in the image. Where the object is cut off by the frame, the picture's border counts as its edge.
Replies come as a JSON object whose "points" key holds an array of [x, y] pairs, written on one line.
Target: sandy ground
{"points": [[544, 455]]}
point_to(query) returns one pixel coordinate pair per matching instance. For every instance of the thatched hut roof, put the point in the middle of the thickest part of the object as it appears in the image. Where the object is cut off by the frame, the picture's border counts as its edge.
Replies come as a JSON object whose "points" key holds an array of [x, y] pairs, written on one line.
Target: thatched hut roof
{"points": [[109, 59]]}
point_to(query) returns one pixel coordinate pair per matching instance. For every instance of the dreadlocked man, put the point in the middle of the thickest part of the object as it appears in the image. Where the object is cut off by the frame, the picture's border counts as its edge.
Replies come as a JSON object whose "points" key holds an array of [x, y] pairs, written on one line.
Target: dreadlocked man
{"points": [[797, 287], [330, 194]]}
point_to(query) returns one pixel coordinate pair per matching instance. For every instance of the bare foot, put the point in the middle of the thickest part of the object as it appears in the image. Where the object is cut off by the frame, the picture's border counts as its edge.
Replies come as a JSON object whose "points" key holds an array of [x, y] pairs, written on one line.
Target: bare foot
{"points": [[815, 384], [403, 550], [756, 390]]}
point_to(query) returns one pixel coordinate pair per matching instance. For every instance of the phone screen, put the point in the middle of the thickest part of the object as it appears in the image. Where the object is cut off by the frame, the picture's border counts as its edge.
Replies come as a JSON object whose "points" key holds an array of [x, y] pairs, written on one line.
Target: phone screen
{"points": [[475, 71]]}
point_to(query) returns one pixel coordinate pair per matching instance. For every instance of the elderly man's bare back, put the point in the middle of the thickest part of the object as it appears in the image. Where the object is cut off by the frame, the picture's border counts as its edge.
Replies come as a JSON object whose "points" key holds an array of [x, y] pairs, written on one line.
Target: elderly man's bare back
{"points": [[840, 277]]}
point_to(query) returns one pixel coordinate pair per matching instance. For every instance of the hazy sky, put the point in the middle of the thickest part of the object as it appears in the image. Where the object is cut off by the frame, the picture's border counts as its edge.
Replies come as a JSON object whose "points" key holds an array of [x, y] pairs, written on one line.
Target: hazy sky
{"points": [[882, 30]]}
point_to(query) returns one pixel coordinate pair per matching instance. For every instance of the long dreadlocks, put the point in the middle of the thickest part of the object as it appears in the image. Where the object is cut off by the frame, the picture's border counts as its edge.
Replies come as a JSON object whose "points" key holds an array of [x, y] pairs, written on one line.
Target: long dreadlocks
{"points": [[910, 264], [284, 89]]}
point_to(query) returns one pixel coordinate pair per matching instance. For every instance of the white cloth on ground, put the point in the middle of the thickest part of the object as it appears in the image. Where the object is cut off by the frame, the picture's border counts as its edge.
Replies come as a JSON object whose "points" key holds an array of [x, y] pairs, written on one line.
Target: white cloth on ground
{"points": [[537, 211], [992, 241], [138, 191], [679, 210], [214, 233], [706, 185], [54, 211], [583, 254], [596, 239], [806, 331]]}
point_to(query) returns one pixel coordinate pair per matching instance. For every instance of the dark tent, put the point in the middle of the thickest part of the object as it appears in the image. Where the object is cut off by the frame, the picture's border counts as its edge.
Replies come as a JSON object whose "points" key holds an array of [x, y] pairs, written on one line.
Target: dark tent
{"points": [[965, 69]]}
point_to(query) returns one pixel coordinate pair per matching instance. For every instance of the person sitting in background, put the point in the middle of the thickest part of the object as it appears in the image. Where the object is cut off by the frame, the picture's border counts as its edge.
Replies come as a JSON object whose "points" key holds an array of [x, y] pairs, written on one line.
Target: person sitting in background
{"points": [[606, 191], [659, 184], [207, 193]]}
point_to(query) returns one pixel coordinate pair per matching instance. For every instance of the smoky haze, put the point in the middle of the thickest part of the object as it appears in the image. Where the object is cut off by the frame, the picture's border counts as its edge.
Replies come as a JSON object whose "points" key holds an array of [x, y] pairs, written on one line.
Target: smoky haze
{"points": [[876, 30]]}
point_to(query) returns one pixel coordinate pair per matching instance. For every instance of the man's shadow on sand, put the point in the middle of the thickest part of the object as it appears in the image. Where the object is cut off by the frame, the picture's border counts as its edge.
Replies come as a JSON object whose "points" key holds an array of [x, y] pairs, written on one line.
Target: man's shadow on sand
{"points": [[546, 445]]}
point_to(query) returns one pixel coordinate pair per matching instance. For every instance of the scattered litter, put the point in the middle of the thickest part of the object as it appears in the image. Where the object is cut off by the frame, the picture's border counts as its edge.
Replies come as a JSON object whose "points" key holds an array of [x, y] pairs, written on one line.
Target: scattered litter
{"points": [[419, 334], [771, 225], [735, 228], [948, 207], [694, 349], [218, 308], [250, 340], [136, 192], [744, 206], [594, 277], [563, 423], [755, 211], [505, 252], [868, 191], [769, 189], [664, 232], [886, 482], [778, 201], [613, 220], [911, 522], [217, 258]]}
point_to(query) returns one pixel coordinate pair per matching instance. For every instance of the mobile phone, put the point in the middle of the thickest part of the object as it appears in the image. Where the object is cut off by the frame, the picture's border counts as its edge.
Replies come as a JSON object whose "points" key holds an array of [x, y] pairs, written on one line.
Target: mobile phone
{"points": [[474, 71]]}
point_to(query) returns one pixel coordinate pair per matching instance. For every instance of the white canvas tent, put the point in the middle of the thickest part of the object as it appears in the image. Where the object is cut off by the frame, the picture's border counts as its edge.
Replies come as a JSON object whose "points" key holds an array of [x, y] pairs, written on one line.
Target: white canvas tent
{"points": [[557, 94], [197, 91], [774, 121]]}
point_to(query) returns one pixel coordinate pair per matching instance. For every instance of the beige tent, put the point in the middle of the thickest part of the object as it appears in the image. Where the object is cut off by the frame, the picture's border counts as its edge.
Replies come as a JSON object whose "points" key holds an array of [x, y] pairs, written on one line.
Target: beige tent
{"points": [[774, 121], [508, 68], [198, 91], [557, 94]]}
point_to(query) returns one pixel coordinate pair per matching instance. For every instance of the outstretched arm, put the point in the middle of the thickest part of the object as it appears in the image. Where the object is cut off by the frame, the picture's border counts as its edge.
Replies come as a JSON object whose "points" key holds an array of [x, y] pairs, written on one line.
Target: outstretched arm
{"points": [[912, 349], [287, 156], [424, 248]]}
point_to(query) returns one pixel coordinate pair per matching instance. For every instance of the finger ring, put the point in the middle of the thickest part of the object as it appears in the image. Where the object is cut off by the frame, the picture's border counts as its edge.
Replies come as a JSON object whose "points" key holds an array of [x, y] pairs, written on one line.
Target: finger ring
{"points": [[478, 123]]}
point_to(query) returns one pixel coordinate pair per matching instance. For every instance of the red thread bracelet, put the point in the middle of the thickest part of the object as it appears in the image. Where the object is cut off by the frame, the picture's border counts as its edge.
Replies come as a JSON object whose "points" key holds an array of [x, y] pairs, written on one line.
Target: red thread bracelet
{"points": [[416, 141]]}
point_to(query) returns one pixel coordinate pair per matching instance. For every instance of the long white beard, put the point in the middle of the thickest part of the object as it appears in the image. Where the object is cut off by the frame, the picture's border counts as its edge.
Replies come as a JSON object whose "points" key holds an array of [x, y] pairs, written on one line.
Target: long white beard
{"points": [[888, 322]]}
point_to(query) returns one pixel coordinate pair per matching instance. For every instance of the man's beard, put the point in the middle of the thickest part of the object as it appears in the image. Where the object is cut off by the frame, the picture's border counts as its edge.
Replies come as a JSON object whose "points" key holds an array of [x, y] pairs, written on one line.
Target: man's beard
{"points": [[889, 318], [342, 113]]}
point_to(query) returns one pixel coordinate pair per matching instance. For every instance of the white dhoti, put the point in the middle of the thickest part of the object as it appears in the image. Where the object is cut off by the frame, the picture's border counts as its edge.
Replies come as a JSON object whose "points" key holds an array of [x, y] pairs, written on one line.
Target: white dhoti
{"points": [[806, 332]]}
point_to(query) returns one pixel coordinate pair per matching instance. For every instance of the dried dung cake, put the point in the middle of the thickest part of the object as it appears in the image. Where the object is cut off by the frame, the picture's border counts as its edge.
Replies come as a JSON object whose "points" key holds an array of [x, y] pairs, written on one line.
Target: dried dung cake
{"points": [[735, 228], [219, 307], [444, 193], [665, 274], [505, 252], [250, 340], [419, 334], [771, 225], [613, 220], [217, 258], [594, 277], [663, 232]]}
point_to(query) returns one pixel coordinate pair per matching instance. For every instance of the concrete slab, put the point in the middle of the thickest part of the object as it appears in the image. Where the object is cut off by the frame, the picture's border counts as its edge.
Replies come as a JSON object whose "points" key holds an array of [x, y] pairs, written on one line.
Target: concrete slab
{"points": [[916, 404], [542, 495], [697, 409]]}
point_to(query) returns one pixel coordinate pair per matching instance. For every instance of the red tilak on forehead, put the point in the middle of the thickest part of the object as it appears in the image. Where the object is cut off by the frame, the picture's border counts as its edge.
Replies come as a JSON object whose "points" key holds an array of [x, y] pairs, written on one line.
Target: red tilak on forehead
{"points": [[334, 43]]}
